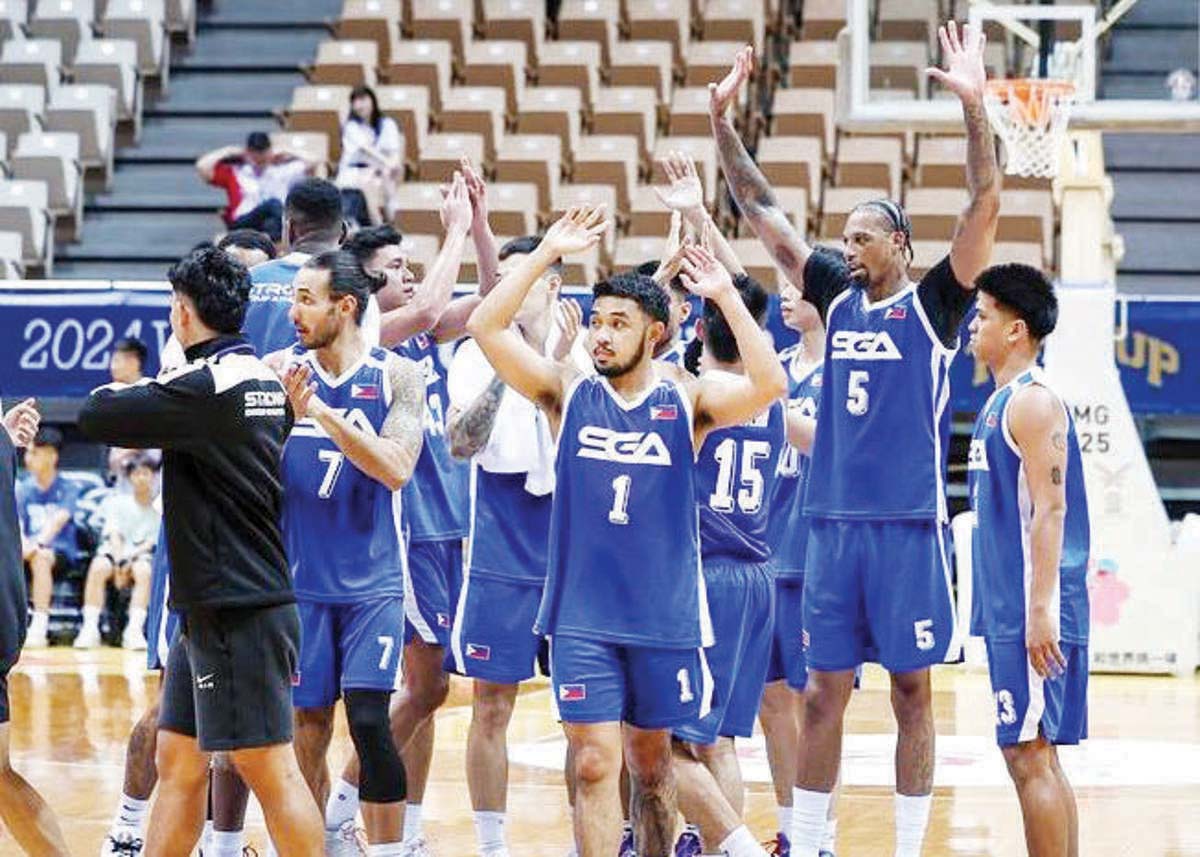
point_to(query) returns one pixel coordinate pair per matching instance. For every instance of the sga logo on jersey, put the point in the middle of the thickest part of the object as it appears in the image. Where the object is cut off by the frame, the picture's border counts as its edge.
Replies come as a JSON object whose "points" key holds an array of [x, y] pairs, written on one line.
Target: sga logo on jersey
{"points": [[309, 427], [623, 447], [864, 345]]}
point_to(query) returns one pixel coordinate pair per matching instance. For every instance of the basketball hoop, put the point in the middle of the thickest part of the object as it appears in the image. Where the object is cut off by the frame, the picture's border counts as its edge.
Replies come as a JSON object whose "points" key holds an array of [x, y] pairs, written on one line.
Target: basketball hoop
{"points": [[1030, 115]]}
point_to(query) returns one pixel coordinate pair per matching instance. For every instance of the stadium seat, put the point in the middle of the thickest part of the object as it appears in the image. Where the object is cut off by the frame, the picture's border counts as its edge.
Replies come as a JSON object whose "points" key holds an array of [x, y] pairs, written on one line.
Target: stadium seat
{"points": [[592, 21], [181, 19], [475, 110], [309, 143], [441, 154], [497, 63], [926, 254], [551, 110], [627, 110], [588, 194], [1027, 215], [837, 204], [67, 21], [805, 112], [113, 63], [53, 159], [143, 21], [795, 204], [35, 61], [660, 20], [25, 209], [409, 107], [89, 111], [870, 162], [900, 65], [733, 21], [348, 62], [708, 62], [377, 20], [447, 20], [13, 15], [571, 64], [934, 211], [941, 162], [425, 62], [468, 269], [689, 112], [608, 159], [22, 106], [12, 266], [421, 250], [823, 19], [813, 64], [757, 261], [521, 20], [647, 215], [322, 109], [792, 162], [909, 20], [643, 63], [633, 250], [418, 208], [512, 208], [533, 158], [702, 150]]}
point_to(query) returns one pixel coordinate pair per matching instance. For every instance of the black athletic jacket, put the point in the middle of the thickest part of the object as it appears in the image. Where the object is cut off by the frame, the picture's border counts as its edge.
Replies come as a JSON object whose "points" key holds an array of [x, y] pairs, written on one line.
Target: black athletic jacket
{"points": [[221, 421], [12, 567]]}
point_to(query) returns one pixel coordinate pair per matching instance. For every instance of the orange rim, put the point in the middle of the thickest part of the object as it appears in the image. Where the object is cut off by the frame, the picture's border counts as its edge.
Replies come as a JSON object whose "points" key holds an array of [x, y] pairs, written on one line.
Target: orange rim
{"points": [[1030, 100]]}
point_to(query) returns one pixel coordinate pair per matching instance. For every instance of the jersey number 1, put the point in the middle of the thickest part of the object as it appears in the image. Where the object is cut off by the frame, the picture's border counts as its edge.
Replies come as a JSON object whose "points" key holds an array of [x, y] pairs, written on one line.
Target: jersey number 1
{"points": [[619, 513]]}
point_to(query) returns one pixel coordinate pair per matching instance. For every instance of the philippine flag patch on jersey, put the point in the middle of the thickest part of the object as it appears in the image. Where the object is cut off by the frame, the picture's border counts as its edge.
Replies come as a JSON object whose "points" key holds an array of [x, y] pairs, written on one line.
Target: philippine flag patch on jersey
{"points": [[897, 312], [478, 652], [992, 421], [664, 412], [364, 391], [572, 692]]}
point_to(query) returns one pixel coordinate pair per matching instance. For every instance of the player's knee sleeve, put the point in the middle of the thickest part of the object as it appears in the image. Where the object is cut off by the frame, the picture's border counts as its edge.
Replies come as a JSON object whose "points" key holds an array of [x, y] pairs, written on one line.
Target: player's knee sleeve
{"points": [[382, 779]]}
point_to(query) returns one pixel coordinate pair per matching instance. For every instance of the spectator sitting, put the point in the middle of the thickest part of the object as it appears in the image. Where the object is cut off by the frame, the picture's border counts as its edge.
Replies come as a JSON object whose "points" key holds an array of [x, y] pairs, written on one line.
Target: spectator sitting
{"points": [[248, 246], [256, 179], [46, 505], [127, 366], [126, 550], [371, 157]]}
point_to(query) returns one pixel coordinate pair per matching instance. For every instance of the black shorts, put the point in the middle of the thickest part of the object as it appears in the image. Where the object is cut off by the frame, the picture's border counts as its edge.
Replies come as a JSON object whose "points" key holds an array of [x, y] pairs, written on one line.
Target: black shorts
{"points": [[229, 677], [5, 666]]}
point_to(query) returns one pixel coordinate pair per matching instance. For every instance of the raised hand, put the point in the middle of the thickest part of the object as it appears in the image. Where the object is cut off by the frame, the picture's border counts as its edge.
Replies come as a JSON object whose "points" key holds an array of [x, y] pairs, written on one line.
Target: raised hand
{"points": [[577, 230], [684, 194], [569, 318], [703, 275], [721, 95], [22, 421], [476, 190], [456, 210], [964, 74], [301, 390]]}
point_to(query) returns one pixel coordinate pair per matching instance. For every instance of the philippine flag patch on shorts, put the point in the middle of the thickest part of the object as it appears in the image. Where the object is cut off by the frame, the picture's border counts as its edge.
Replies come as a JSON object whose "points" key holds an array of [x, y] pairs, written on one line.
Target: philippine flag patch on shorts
{"points": [[478, 652], [572, 692]]}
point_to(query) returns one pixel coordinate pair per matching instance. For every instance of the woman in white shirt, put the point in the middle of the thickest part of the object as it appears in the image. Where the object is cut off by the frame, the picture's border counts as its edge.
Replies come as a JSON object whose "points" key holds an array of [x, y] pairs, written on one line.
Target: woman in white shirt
{"points": [[371, 154]]}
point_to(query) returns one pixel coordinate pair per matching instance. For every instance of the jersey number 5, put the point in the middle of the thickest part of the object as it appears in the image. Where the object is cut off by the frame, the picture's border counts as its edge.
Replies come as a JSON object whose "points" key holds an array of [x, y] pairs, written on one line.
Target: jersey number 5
{"points": [[858, 399]]}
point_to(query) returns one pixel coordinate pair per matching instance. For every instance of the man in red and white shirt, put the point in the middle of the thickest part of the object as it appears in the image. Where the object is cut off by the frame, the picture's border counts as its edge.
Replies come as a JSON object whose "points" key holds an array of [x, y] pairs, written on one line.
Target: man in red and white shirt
{"points": [[256, 179]]}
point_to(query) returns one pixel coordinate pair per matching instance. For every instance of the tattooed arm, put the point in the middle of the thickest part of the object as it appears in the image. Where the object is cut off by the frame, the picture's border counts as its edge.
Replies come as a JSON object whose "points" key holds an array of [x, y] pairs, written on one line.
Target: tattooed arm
{"points": [[747, 184], [1038, 423], [470, 428]]}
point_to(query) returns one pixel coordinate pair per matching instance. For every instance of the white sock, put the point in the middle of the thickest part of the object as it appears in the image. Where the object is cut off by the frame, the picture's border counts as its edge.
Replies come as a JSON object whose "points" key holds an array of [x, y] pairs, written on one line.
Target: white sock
{"points": [[387, 849], [627, 826], [342, 805], [489, 829], [137, 620], [412, 821], [131, 812], [830, 838], [227, 843], [206, 835], [912, 817], [91, 618], [38, 623], [785, 820], [809, 811], [741, 843]]}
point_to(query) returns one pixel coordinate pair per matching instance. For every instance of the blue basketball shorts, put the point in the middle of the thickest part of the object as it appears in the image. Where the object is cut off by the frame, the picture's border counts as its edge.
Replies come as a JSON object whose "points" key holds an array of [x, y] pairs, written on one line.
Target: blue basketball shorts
{"points": [[877, 590], [1028, 705], [741, 602], [492, 638], [348, 647], [650, 688], [787, 648], [431, 590]]}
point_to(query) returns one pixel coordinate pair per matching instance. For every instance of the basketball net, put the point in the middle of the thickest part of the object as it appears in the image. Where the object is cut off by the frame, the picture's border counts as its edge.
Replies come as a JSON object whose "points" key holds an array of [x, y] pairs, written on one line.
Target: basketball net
{"points": [[1030, 115]]}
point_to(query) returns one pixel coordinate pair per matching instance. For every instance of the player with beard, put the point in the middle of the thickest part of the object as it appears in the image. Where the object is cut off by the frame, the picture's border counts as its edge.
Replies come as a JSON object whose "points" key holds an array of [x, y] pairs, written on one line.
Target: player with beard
{"points": [[624, 600]]}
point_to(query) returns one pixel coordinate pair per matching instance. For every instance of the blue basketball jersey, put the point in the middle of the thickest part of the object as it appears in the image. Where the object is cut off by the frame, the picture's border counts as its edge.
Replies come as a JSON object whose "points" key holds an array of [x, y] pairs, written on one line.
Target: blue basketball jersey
{"points": [[435, 499], [1003, 567], [341, 527], [880, 452], [735, 485], [788, 529], [510, 528], [267, 326], [624, 563]]}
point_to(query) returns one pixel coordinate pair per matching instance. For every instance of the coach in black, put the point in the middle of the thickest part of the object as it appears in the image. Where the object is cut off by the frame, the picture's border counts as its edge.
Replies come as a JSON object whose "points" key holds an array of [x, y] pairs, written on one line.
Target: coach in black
{"points": [[221, 421]]}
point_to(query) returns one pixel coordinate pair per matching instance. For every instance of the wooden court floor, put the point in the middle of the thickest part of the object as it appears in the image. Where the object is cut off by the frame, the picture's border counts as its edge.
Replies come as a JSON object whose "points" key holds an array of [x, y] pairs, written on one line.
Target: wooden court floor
{"points": [[1137, 780]]}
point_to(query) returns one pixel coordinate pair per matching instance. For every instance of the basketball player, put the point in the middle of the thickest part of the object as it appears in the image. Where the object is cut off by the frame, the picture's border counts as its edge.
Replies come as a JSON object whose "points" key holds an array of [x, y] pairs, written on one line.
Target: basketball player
{"points": [[358, 434], [509, 442], [624, 549], [876, 568], [23, 811], [1030, 554], [221, 421], [735, 483]]}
